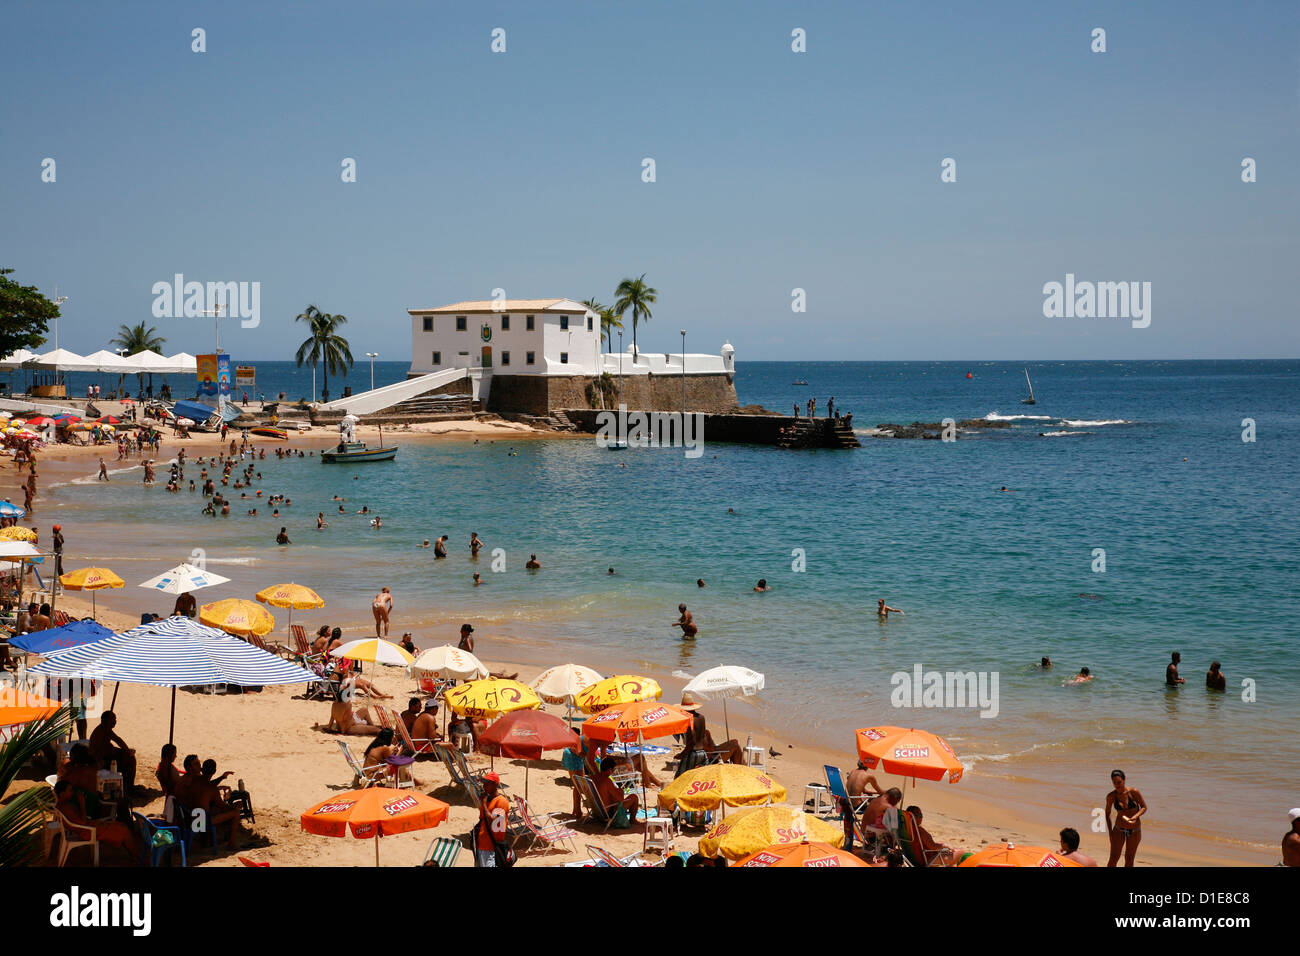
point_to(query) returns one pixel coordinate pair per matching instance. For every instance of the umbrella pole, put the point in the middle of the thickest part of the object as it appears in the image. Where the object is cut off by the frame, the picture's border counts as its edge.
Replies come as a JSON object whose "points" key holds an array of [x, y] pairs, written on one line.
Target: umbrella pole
{"points": [[171, 725], [725, 722], [116, 688], [527, 766], [376, 851], [645, 830]]}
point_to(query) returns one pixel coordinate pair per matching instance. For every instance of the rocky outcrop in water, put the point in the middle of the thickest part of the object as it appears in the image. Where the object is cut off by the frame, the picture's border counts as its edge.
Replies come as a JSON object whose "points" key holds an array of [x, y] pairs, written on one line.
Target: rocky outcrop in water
{"points": [[933, 430]]}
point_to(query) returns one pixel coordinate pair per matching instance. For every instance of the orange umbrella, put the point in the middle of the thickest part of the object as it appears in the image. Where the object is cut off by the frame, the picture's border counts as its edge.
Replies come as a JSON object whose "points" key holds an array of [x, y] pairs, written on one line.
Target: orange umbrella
{"points": [[21, 707], [1008, 854], [801, 854], [637, 720], [908, 753], [374, 812]]}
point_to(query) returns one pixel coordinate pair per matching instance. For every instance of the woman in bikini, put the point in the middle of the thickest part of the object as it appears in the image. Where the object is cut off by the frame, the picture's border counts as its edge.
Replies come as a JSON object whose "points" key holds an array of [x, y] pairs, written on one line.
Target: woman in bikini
{"points": [[382, 606], [1126, 833]]}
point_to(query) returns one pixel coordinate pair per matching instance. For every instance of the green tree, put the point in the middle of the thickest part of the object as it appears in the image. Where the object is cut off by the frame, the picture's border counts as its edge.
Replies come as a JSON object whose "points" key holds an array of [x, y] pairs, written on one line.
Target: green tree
{"points": [[24, 315], [324, 346], [635, 295], [22, 817], [138, 338]]}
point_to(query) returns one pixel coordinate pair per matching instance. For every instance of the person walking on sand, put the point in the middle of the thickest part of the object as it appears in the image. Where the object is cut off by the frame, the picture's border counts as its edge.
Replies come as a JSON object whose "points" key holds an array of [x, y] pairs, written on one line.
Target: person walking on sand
{"points": [[103, 470], [1126, 832], [1171, 671], [687, 623], [382, 606]]}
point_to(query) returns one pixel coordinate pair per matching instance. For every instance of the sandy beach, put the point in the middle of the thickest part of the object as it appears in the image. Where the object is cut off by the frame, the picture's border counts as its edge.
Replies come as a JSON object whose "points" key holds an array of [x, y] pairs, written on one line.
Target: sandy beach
{"points": [[271, 739]]}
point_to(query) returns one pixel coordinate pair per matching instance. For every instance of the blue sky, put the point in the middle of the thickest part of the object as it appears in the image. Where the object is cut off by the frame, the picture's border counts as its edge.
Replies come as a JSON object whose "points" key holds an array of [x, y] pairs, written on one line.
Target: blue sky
{"points": [[775, 170]]}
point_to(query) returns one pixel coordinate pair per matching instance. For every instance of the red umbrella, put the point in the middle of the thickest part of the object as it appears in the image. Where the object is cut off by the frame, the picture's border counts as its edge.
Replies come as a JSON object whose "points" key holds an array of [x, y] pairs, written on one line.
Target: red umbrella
{"points": [[524, 734], [40, 420], [109, 420]]}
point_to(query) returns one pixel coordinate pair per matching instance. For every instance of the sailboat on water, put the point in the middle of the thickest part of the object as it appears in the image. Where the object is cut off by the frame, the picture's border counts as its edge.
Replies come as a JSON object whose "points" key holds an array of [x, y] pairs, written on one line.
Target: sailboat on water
{"points": [[1030, 400]]}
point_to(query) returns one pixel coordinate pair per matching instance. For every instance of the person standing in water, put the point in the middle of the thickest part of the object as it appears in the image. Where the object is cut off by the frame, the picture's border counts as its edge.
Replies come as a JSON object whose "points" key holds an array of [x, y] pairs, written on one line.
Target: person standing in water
{"points": [[474, 544], [884, 609], [440, 547], [687, 623], [1215, 679], [1171, 671], [382, 607]]}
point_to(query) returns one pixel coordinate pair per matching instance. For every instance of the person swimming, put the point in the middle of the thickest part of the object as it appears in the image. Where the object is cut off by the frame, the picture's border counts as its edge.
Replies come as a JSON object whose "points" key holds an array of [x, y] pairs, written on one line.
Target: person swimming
{"points": [[1082, 677], [762, 585]]}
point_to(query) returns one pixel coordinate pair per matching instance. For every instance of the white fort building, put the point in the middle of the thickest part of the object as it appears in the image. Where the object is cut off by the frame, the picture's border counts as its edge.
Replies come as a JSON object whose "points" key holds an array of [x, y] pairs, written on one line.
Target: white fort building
{"points": [[537, 356]]}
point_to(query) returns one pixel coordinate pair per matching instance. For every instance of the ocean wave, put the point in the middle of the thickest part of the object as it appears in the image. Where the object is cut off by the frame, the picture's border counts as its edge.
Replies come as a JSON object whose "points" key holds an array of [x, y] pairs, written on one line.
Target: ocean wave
{"points": [[1060, 434], [995, 417], [233, 560], [1085, 423]]}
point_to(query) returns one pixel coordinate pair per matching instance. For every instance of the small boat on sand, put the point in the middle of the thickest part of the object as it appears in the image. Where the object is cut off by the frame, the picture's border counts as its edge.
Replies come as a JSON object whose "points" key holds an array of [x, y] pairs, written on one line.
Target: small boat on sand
{"points": [[267, 431]]}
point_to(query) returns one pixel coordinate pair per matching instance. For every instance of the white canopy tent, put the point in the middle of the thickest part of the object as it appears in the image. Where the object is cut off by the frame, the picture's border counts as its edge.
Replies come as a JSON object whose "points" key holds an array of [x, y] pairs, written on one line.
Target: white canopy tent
{"points": [[17, 359], [57, 360], [149, 361], [106, 361], [186, 364]]}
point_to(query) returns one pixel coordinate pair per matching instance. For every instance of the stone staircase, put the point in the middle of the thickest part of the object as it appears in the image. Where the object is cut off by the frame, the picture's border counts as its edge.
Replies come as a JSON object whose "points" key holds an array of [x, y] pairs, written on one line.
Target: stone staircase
{"points": [[560, 422], [431, 405], [843, 434], [800, 433]]}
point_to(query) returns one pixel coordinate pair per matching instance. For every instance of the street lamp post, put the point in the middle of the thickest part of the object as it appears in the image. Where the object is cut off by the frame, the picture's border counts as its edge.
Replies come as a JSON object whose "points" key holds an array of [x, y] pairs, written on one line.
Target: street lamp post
{"points": [[683, 382], [58, 301], [372, 356]]}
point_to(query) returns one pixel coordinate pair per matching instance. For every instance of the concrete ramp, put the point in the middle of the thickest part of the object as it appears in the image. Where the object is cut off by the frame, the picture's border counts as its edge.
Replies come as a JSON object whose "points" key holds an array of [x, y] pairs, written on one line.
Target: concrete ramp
{"points": [[376, 400]]}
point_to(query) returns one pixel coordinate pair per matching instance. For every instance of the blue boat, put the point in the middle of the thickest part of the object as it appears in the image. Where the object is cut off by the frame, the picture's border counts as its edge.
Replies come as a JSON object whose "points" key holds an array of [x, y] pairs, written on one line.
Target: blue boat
{"points": [[347, 451]]}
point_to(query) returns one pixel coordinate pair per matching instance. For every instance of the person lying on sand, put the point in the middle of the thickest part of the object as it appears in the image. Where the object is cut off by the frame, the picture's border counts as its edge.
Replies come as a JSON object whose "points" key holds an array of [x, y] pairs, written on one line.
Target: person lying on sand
{"points": [[354, 723], [354, 682]]}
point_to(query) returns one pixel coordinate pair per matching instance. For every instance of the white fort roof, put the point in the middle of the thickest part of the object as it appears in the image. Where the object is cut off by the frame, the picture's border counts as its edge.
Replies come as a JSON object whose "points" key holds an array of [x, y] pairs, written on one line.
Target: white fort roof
{"points": [[506, 305]]}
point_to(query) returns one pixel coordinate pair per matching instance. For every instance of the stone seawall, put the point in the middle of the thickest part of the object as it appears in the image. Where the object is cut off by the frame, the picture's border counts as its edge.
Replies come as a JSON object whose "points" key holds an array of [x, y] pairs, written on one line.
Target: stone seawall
{"points": [[542, 394]]}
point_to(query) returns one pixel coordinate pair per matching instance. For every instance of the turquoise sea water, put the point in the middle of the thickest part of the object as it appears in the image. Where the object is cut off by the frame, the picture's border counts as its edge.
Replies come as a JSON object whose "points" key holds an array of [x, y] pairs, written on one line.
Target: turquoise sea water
{"points": [[1198, 529]]}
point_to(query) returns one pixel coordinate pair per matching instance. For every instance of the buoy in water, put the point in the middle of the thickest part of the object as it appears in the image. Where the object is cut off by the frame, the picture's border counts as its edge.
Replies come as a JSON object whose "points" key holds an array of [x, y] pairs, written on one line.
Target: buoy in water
{"points": [[969, 375]]}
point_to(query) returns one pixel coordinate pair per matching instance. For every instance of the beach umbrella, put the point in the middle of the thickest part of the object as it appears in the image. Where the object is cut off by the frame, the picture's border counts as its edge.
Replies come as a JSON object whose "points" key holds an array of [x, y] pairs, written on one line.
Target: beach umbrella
{"points": [[19, 707], [10, 510], [490, 697], [449, 661], [109, 420], [908, 753], [237, 616], [40, 421], [725, 681], [752, 829], [293, 596], [92, 580], [174, 652], [622, 689], [17, 533], [802, 854], [1008, 854], [637, 720], [184, 578], [373, 813], [563, 683], [525, 735], [374, 649], [53, 639], [17, 551], [717, 784]]}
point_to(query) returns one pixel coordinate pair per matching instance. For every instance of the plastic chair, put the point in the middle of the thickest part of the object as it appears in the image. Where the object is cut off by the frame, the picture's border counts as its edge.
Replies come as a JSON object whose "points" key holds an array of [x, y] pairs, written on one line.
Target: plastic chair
{"points": [[151, 850], [69, 844]]}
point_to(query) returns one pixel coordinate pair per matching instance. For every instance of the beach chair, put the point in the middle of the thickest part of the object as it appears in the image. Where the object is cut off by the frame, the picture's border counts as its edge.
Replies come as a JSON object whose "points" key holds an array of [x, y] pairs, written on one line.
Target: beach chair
{"points": [[302, 647], [468, 783], [602, 857], [909, 841], [417, 748], [153, 849], [443, 852], [385, 721], [68, 842], [835, 783], [360, 775], [877, 838], [544, 829], [599, 813]]}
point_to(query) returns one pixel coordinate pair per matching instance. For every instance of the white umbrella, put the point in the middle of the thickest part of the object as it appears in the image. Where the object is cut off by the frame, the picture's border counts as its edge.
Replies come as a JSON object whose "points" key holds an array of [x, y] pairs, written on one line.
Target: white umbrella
{"points": [[373, 649], [725, 681], [563, 683], [448, 661], [184, 578]]}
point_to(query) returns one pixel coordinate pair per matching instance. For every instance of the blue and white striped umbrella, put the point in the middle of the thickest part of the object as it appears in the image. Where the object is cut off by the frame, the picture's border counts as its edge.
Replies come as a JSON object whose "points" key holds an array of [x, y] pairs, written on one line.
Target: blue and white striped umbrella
{"points": [[174, 652]]}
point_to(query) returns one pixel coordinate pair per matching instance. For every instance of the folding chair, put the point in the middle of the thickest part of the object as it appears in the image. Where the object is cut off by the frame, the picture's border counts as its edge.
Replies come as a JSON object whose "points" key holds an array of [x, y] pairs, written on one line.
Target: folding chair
{"points": [[544, 829], [425, 744], [443, 852], [914, 852], [360, 775], [466, 783], [599, 812]]}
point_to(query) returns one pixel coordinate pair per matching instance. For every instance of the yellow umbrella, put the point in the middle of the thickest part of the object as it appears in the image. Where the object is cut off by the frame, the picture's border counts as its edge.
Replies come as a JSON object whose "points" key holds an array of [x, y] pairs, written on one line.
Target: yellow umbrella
{"points": [[237, 616], [375, 650], [92, 580], [17, 533], [491, 697], [711, 786], [291, 596], [755, 828], [622, 689]]}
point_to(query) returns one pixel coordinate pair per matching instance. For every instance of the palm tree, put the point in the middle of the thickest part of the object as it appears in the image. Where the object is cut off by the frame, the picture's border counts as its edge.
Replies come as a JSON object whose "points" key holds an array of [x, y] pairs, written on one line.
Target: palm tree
{"points": [[22, 818], [634, 294], [609, 321], [137, 338], [324, 345]]}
